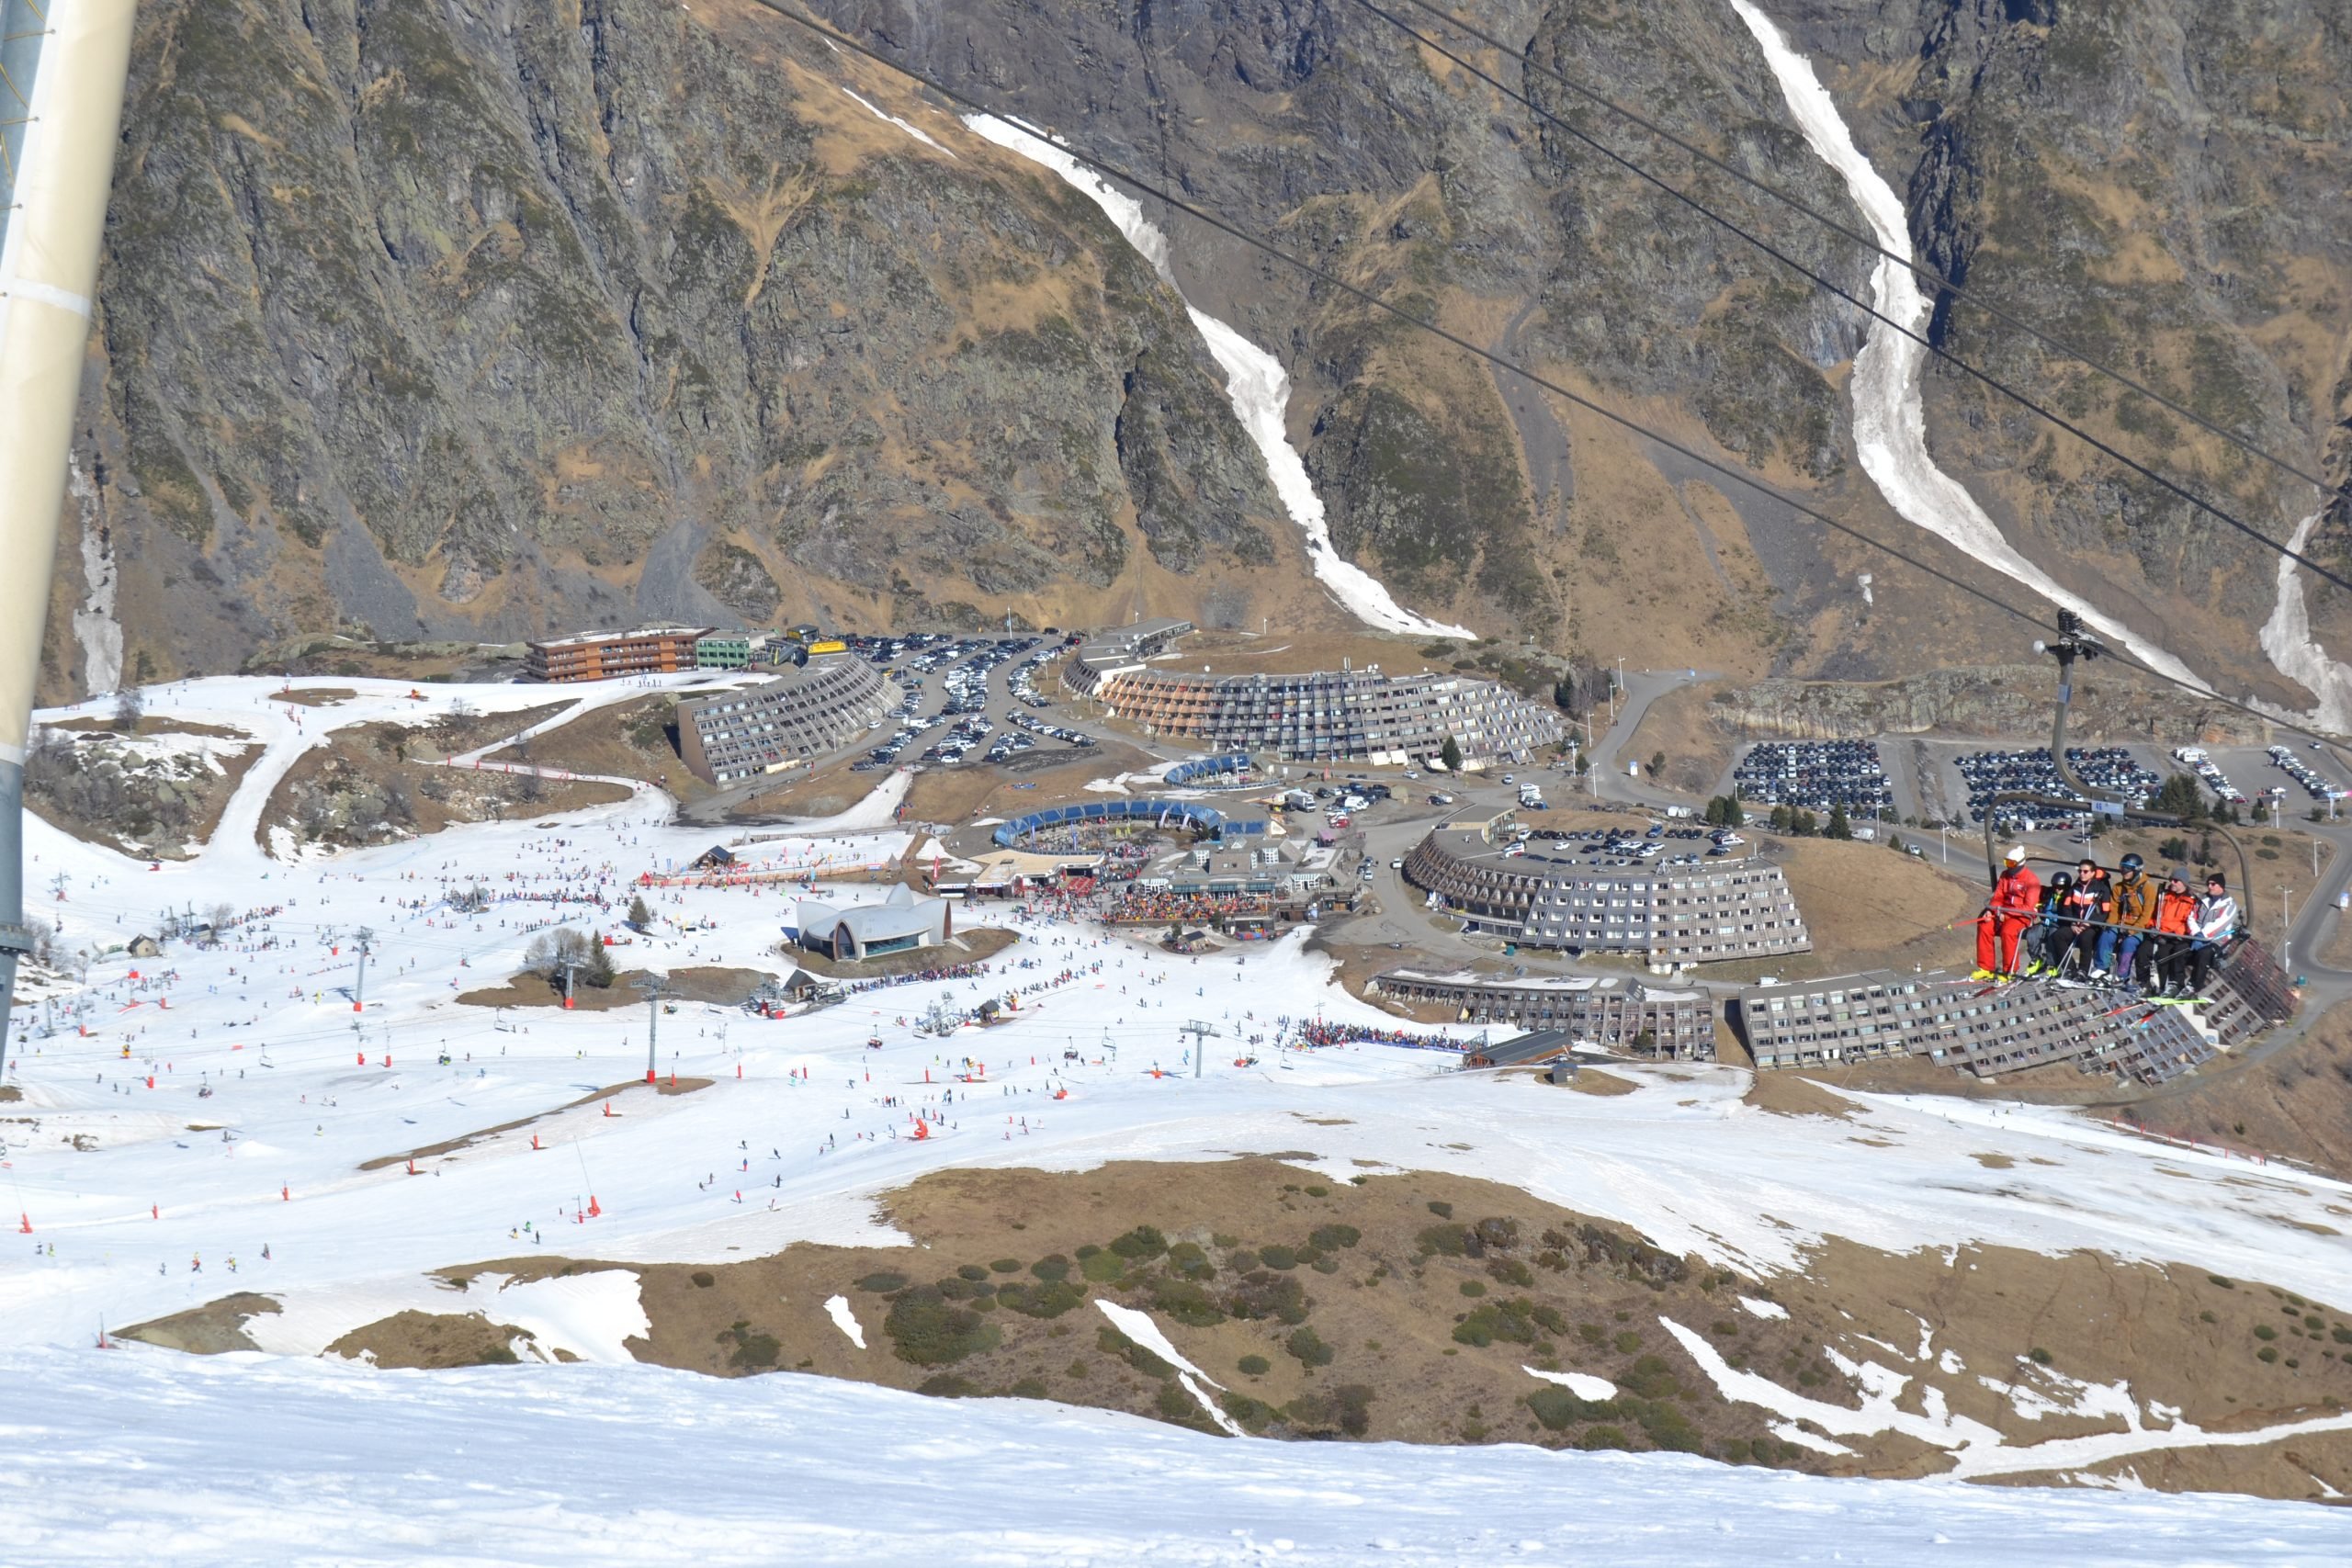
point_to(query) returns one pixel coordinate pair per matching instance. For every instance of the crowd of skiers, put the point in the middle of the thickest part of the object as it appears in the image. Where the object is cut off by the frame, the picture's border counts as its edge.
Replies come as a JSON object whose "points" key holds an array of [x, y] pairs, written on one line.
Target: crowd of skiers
{"points": [[2123, 929]]}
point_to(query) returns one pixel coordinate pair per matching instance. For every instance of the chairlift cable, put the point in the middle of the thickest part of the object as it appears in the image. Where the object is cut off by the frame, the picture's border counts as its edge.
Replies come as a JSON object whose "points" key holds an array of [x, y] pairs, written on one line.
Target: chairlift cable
{"points": [[1333, 281], [1925, 274]]}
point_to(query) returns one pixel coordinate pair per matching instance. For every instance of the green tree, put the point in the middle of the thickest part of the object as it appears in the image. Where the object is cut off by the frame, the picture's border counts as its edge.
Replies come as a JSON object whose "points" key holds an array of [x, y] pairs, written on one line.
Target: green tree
{"points": [[640, 914], [2180, 796], [1657, 763], [1838, 827], [1450, 755], [1781, 819], [1803, 824]]}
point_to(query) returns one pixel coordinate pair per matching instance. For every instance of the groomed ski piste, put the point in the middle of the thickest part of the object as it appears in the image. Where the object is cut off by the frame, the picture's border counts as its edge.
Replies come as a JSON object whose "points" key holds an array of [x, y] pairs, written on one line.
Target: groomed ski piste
{"points": [[136, 1453]]}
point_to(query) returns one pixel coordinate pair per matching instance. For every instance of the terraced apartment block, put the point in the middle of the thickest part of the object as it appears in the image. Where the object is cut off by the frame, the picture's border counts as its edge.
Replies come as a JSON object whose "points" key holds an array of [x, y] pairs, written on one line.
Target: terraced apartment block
{"points": [[1618, 1013], [1701, 914], [805, 713], [1988, 1029]]}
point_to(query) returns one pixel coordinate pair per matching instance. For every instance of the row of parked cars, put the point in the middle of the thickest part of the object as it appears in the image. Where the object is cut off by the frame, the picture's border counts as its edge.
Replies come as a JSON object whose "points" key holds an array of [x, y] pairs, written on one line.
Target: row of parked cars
{"points": [[2292, 766], [1817, 775], [1039, 727], [1622, 847], [2109, 769], [1023, 681], [2194, 758]]}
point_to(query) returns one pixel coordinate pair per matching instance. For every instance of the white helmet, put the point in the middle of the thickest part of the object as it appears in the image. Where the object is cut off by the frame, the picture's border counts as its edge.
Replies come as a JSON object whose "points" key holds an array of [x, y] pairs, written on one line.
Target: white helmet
{"points": [[2017, 855]]}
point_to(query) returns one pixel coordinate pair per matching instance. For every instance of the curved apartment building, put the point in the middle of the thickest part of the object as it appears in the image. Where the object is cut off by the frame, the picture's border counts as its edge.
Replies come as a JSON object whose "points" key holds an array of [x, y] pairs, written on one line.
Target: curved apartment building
{"points": [[823, 706], [1666, 914], [1352, 716]]}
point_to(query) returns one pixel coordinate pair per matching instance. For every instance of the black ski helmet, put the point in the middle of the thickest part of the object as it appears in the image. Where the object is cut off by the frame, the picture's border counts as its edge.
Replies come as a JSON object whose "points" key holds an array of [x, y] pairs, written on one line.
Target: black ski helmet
{"points": [[2062, 881], [2131, 862]]}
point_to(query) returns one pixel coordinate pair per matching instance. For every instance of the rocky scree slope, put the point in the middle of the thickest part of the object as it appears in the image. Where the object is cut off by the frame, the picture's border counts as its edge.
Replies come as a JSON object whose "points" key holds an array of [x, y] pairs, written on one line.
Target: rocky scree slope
{"points": [[480, 320], [484, 321]]}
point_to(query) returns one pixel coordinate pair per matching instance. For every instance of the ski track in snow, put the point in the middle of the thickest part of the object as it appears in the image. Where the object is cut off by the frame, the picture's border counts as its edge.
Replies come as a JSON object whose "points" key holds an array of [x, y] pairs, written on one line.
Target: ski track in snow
{"points": [[272, 1157], [1255, 384], [1889, 421]]}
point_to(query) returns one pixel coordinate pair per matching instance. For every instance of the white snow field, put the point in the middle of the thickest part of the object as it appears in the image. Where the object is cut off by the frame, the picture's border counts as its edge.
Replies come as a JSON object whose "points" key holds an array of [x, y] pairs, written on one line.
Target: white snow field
{"points": [[1256, 385], [131, 1192], [144, 1457]]}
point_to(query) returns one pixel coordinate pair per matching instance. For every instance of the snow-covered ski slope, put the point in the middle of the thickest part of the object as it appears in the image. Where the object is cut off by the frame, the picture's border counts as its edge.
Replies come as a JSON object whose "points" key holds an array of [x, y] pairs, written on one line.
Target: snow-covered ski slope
{"points": [[143, 1457], [136, 1186]]}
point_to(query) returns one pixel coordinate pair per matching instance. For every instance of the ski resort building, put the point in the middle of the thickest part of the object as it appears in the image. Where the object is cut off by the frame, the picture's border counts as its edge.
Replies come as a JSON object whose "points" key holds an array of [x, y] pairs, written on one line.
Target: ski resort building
{"points": [[1619, 1013], [1350, 715], [1990, 1030], [804, 713], [1666, 914], [605, 655], [901, 923]]}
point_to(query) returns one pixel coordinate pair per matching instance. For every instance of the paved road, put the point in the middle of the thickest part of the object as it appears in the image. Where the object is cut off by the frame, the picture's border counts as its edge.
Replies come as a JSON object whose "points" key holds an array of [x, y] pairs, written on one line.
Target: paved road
{"points": [[1643, 687]]}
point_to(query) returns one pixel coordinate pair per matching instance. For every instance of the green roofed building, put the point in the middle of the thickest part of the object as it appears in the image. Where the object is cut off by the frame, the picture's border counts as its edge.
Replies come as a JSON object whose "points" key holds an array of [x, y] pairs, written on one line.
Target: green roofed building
{"points": [[723, 650]]}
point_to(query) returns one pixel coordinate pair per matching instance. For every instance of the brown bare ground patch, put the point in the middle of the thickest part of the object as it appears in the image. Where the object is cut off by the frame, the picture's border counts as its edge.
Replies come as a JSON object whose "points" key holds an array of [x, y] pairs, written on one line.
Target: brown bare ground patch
{"points": [[1868, 907], [718, 985], [314, 696], [211, 1330], [1792, 1094], [356, 765], [151, 724], [1592, 1080], [1698, 750], [1401, 1279], [619, 741], [1994, 1162], [432, 1339], [955, 795], [452, 733]]}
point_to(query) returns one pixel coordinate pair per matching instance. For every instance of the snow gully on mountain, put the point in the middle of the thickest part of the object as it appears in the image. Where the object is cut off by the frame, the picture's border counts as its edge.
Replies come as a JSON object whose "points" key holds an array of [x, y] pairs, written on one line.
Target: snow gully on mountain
{"points": [[1890, 423], [1254, 381]]}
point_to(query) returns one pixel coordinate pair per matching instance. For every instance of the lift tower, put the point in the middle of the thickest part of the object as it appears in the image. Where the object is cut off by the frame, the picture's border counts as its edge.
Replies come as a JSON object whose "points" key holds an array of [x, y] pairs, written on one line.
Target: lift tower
{"points": [[62, 65]]}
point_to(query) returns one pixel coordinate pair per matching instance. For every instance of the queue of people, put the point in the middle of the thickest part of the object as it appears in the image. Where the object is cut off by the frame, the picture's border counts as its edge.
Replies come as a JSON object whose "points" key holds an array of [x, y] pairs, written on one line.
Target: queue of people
{"points": [[2124, 928]]}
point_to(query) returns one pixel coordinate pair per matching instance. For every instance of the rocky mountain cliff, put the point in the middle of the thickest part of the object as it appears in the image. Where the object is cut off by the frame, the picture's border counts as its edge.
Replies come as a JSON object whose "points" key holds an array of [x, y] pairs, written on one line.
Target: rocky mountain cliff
{"points": [[480, 318], [2163, 185]]}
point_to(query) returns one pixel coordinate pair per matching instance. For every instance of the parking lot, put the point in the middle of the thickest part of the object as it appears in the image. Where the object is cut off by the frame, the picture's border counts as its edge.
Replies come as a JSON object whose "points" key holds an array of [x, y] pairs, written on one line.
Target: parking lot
{"points": [[956, 704], [1819, 775]]}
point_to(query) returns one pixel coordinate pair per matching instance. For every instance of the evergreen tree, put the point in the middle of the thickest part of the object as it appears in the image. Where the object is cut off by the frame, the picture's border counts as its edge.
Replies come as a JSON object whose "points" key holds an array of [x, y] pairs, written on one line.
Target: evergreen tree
{"points": [[2180, 797], [1838, 827], [1450, 755]]}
